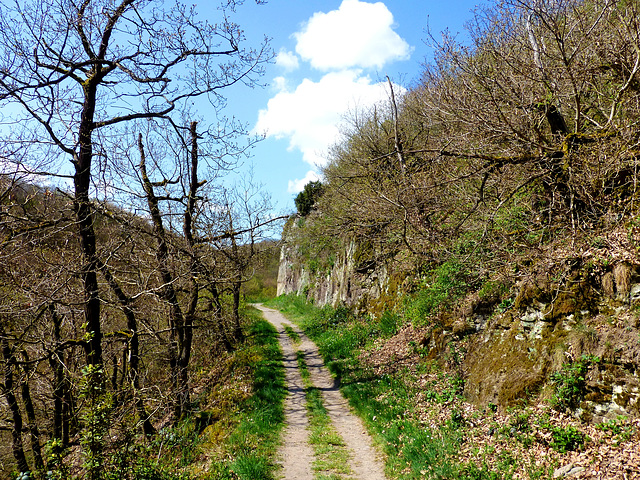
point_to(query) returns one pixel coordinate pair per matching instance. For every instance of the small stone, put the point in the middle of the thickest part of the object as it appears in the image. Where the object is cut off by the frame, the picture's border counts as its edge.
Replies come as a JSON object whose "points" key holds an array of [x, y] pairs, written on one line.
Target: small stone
{"points": [[575, 471], [562, 471]]}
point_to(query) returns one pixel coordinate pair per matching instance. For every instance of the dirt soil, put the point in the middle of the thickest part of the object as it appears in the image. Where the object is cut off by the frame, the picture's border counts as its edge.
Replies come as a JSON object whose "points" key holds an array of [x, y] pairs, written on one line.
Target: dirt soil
{"points": [[296, 456]]}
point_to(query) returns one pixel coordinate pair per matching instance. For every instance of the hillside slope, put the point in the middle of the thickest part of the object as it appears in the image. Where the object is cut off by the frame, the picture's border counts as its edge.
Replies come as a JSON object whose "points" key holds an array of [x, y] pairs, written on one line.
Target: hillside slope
{"points": [[494, 207]]}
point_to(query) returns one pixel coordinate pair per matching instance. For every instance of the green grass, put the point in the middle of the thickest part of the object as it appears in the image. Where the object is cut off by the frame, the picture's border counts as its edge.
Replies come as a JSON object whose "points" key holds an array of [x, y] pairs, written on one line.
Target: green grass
{"points": [[386, 403], [413, 451], [293, 306], [292, 334], [249, 450]]}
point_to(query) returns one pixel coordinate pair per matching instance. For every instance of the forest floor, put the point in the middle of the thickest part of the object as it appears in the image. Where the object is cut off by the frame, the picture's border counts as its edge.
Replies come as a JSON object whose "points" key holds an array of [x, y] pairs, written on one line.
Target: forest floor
{"points": [[337, 447]]}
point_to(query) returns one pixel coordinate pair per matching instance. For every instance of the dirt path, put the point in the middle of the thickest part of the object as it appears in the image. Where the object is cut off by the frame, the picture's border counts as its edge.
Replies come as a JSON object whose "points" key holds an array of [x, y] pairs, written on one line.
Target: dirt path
{"points": [[296, 453]]}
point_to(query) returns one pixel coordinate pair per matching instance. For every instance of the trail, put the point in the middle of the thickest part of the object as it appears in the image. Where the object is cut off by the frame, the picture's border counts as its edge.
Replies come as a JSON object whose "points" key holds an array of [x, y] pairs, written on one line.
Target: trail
{"points": [[297, 455]]}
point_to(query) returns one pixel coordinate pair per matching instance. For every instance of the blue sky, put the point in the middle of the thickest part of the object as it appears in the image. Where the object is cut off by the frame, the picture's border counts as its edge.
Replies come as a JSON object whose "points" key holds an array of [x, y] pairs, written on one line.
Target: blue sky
{"points": [[332, 57]]}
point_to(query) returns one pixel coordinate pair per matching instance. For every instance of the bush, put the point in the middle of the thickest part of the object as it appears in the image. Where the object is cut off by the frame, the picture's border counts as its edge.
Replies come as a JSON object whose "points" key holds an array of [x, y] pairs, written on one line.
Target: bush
{"points": [[569, 383], [443, 285], [389, 323], [307, 198], [567, 439]]}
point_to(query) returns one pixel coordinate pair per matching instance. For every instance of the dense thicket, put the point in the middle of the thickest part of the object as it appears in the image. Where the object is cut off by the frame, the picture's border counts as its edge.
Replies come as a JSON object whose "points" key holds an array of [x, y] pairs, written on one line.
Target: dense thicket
{"points": [[150, 331], [525, 134]]}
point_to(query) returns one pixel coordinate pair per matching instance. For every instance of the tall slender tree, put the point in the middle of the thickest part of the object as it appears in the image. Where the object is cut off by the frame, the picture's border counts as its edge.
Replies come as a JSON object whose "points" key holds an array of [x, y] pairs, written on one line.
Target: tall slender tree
{"points": [[77, 71]]}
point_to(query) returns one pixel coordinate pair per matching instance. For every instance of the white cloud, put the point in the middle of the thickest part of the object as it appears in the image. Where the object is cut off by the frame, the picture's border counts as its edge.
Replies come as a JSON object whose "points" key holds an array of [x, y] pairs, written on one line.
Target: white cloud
{"points": [[343, 42], [297, 185], [358, 34], [310, 115], [279, 83], [287, 60]]}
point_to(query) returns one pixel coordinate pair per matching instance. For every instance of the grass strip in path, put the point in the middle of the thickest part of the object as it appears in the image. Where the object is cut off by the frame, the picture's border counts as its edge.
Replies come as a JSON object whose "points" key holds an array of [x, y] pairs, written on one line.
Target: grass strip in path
{"points": [[332, 455], [293, 335]]}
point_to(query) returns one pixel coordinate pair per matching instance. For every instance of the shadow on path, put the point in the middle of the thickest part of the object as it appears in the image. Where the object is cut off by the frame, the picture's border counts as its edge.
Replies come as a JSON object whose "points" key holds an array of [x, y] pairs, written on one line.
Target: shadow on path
{"points": [[297, 455]]}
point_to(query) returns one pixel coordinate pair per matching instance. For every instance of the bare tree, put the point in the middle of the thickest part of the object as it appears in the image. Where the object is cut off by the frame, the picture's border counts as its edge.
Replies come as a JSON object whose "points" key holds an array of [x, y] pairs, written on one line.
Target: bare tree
{"points": [[511, 136], [77, 71], [73, 77], [8, 391], [193, 219]]}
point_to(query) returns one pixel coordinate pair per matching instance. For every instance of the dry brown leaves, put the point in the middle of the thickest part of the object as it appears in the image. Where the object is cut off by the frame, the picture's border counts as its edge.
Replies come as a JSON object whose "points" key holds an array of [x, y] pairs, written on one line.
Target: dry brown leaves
{"points": [[519, 441]]}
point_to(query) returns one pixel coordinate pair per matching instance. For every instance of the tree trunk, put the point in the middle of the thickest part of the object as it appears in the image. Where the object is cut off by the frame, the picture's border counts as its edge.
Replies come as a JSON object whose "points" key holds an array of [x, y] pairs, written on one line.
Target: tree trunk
{"points": [[237, 328], [131, 360], [34, 431], [221, 328], [61, 406], [84, 218], [168, 292], [184, 353], [9, 361]]}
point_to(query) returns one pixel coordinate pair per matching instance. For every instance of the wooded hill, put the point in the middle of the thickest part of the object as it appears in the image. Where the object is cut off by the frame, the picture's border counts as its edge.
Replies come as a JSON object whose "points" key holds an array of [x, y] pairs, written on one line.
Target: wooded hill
{"points": [[168, 311], [124, 269], [496, 203]]}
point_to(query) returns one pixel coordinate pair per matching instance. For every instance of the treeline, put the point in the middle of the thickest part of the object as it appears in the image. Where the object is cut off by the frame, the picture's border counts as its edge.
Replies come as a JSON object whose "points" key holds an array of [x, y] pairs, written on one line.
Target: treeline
{"points": [[125, 266], [170, 298], [523, 136]]}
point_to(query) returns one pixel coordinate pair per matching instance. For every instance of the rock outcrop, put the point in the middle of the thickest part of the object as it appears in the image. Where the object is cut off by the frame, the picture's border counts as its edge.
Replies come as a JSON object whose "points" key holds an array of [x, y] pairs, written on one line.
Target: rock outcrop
{"points": [[348, 279], [557, 314]]}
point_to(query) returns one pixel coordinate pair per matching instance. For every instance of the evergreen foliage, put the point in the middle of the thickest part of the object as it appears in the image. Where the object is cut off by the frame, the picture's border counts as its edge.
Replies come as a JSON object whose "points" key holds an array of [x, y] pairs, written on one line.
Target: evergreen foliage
{"points": [[307, 199]]}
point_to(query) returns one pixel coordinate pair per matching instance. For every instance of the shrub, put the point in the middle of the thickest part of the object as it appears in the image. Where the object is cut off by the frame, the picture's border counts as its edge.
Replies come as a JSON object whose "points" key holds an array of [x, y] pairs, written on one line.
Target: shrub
{"points": [[389, 323], [307, 198], [567, 439], [443, 285], [569, 383]]}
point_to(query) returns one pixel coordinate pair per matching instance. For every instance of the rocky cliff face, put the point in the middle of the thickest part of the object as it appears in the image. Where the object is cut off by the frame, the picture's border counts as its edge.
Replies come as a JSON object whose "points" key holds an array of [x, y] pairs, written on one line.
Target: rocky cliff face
{"points": [[560, 313], [586, 323], [349, 279]]}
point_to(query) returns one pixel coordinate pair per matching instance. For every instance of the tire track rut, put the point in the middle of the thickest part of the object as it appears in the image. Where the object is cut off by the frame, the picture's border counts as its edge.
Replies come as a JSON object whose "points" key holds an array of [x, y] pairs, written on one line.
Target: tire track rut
{"points": [[296, 454]]}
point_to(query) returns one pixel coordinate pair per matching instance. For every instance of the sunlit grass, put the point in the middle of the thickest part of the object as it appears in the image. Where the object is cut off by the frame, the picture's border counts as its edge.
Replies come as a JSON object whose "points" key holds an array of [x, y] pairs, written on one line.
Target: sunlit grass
{"points": [[385, 403], [292, 334], [332, 455], [249, 450]]}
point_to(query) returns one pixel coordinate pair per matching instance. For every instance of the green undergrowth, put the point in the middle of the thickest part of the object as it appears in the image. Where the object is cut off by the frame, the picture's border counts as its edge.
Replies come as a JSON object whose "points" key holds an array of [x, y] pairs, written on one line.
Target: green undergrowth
{"points": [[569, 382], [332, 456], [387, 403], [233, 431], [438, 289], [247, 451], [416, 412]]}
